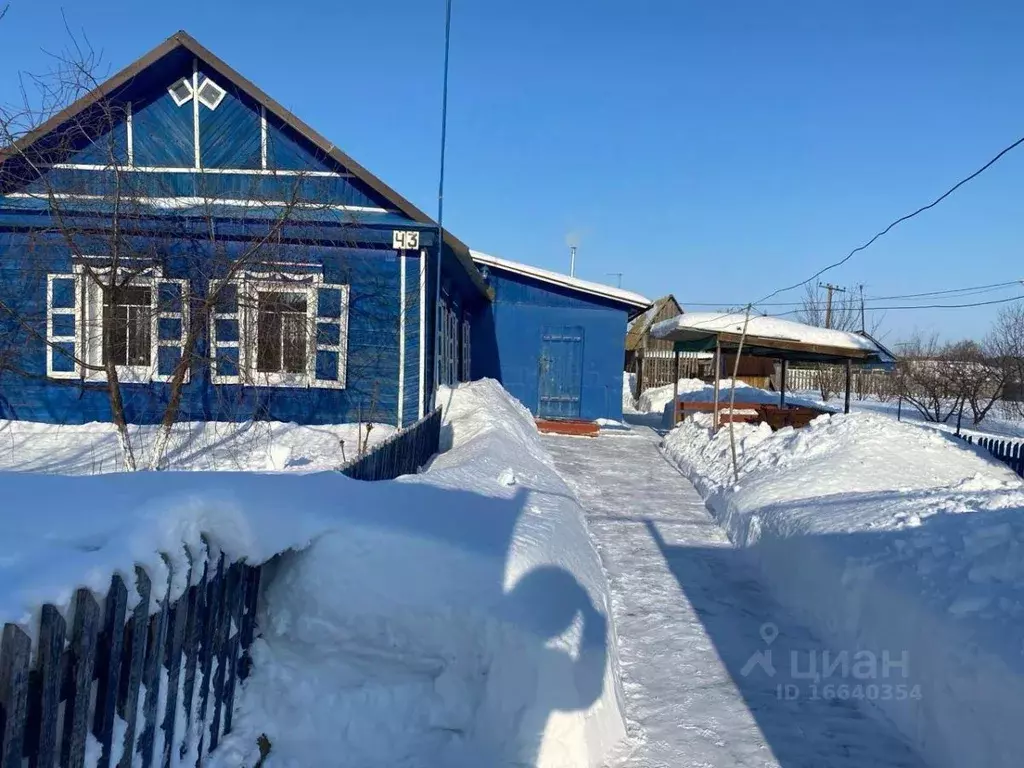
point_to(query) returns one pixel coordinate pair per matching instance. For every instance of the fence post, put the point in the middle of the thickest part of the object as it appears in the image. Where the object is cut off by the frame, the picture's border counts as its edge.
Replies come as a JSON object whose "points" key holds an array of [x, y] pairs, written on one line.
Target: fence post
{"points": [[15, 650], [110, 666], [52, 631], [84, 634], [128, 700]]}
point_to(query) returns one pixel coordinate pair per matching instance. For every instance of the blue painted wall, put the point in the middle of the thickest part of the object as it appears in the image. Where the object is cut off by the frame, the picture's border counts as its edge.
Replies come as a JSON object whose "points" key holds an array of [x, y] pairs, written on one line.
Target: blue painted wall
{"points": [[507, 340]]}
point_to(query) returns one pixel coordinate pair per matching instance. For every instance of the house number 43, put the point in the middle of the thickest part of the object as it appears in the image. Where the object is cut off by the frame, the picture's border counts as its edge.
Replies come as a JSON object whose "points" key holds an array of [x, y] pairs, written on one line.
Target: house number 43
{"points": [[405, 240]]}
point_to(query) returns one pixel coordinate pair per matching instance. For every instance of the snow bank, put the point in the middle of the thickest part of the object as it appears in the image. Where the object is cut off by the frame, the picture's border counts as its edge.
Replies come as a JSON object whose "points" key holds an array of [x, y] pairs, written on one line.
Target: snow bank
{"points": [[454, 618], [893, 541], [628, 387], [249, 446]]}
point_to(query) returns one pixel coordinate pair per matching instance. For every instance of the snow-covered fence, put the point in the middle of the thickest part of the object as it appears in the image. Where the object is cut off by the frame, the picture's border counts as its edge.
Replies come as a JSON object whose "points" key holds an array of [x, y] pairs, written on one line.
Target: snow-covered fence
{"points": [[157, 684], [1009, 452], [401, 454]]}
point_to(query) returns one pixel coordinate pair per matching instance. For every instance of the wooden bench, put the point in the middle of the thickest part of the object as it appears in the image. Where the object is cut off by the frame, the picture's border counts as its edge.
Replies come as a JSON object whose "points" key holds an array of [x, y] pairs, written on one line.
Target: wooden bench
{"points": [[774, 416]]}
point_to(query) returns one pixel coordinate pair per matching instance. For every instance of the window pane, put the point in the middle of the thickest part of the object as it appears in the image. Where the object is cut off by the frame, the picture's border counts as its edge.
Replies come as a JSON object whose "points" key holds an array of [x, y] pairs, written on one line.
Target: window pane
{"points": [[126, 321], [281, 334], [268, 335], [294, 342]]}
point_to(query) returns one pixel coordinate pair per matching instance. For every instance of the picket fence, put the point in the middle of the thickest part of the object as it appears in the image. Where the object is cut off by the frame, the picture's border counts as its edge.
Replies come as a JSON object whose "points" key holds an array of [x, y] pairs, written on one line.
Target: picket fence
{"points": [[401, 454], [1007, 451], [52, 697]]}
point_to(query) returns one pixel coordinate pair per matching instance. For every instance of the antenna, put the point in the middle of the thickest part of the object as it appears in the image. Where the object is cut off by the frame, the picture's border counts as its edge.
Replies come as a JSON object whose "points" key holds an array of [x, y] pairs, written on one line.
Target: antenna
{"points": [[618, 278], [572, 261]]}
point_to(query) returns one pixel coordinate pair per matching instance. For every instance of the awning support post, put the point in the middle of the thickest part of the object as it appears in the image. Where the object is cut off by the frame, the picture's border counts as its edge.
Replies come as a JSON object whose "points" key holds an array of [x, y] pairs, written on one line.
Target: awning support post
{"points": [[718, 379], [675, 390], [849, 377]]}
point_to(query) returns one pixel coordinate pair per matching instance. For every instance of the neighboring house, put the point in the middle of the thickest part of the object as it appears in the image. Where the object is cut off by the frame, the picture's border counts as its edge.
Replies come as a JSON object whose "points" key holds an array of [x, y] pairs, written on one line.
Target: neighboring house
{"points": [[559, 339], [652, 359], [179, 226]]}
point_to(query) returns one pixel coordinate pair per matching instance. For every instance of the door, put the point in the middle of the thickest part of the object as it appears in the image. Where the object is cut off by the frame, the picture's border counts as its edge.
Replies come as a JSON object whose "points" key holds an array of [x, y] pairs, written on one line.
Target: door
{"points": [[561, 372]]}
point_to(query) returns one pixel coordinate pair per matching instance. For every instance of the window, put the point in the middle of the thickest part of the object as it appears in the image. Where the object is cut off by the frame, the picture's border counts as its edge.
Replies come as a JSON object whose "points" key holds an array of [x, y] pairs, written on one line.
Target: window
{"points": [[211, 94], [139, 326], [448, 346], [281, 338], [284, 330], [466, 350], [181, 91], [127, 322]]}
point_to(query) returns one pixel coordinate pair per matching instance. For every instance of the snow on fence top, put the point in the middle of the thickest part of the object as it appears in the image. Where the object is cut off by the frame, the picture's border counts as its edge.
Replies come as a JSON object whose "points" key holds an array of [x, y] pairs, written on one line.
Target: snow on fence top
{"points": [[763, 327], [556, 278]]}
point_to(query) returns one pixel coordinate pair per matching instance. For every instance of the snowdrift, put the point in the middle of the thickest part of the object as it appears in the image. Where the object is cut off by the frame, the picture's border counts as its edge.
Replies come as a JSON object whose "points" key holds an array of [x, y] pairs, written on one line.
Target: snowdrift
{"points": [[659, 399], [891, 540], [454, 618]]}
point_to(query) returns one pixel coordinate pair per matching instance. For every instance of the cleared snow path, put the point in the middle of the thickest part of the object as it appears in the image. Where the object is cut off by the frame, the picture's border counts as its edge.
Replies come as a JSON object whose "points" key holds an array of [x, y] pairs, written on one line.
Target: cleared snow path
{"points": [[690, 613]]}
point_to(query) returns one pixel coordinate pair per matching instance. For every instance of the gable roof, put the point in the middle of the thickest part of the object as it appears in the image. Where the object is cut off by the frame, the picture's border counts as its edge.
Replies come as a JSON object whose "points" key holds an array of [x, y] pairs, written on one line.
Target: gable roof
{"points": [[183, 40], [664, 308], [633, 300]]}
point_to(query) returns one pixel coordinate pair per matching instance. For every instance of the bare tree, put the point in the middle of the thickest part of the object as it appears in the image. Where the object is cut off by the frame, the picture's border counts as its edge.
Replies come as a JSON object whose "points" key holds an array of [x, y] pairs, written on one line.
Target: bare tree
{"points": [[929, 376], [844, 315]]}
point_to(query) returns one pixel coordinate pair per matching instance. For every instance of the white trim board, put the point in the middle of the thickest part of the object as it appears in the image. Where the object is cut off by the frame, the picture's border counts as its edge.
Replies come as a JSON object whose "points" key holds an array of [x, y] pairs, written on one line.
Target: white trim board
{"points": [[177, 169], [555, 278], [401, 337], [189, 202], [423, 331]]}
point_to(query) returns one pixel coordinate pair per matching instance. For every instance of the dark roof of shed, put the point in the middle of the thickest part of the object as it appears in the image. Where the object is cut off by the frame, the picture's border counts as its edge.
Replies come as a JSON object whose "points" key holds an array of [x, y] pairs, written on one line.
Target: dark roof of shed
{"points": [[182, 39], [640, 325]]}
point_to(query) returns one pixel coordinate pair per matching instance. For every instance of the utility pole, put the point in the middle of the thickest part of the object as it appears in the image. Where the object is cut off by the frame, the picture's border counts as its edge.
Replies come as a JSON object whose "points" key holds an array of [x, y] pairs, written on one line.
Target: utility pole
{"points": [[828, 305], [863, 328], [572, 261]]}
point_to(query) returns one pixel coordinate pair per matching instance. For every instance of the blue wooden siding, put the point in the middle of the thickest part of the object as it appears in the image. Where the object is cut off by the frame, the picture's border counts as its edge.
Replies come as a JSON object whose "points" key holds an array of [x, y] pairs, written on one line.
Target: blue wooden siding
{"points": [[372, 383], [163, 133], [229, 136], [508, 341]]}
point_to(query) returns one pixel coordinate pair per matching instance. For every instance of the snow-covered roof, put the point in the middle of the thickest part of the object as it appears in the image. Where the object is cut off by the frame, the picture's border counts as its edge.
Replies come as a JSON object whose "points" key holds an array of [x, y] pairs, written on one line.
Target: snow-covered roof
{"points": [[763, 327], [556, 278]]}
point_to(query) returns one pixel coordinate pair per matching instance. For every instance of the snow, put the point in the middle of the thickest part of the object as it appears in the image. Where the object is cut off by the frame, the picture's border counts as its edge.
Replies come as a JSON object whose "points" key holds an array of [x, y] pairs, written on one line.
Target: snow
{"points": [[690, 614], [898, 543], [658, 399], [763, 326], [459, 617], [628, 387], [254, 446], [557, 278]]}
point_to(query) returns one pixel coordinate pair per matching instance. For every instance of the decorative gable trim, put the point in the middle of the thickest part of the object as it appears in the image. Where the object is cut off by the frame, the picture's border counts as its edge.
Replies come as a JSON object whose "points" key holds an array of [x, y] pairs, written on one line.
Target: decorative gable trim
{"points": [[269, 106]]}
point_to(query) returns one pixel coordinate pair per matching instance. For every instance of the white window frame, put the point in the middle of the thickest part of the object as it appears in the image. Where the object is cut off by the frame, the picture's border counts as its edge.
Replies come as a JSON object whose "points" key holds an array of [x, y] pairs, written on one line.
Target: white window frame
{"points": [[88, 314], [188, 84], [220, 96], [248, 287]]}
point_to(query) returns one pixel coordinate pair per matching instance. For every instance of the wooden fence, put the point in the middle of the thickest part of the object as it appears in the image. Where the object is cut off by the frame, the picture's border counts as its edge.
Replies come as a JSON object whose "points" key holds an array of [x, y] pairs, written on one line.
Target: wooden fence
{"points": [[401, 454], [107, 680], [1007, 451]]}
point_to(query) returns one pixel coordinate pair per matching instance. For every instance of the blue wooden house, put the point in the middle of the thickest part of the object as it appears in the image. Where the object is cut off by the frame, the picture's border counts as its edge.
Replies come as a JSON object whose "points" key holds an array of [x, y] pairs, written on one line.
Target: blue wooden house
{"points": [[178, 229]]}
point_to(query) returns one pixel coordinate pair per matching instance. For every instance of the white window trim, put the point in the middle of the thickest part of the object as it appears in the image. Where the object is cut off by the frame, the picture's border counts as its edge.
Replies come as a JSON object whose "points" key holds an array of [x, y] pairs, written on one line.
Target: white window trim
{"points": [[216, 102], [191, 91], [89, 313], [51, 339], [248, 286]]}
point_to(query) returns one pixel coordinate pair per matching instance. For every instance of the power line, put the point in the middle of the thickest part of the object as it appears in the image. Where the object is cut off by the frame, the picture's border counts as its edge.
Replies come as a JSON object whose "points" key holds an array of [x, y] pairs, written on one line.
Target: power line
{"points": [[966, 291], [899, 221], [925, 306]]}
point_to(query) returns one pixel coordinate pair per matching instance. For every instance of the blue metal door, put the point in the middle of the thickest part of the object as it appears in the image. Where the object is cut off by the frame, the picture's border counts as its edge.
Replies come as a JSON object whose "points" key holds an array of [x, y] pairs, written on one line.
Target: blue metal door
{"points": [[561, 372]]}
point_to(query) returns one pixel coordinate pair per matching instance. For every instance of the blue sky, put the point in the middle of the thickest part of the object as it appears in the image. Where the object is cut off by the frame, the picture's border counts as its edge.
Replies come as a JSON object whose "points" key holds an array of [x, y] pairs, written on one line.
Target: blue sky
{"points": [[714, 150]]}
